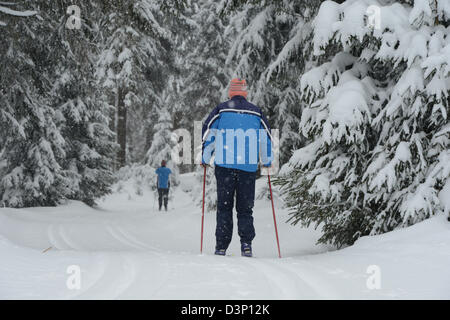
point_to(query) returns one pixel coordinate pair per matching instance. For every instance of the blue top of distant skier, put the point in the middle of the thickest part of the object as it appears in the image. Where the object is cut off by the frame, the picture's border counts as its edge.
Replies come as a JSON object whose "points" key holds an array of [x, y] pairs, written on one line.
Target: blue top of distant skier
{"points": [[237, 133], [163, 176]]}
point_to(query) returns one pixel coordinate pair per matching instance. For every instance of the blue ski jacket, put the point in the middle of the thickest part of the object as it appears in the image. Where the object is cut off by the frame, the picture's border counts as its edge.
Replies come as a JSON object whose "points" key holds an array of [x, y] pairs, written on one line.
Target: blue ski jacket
{"points": [[163, 177], [238, 134]]}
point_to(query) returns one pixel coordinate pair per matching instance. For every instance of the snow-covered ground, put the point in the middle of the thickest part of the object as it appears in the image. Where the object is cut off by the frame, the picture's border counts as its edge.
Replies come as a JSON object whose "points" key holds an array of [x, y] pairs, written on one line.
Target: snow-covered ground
{"points": [[128, 250]]}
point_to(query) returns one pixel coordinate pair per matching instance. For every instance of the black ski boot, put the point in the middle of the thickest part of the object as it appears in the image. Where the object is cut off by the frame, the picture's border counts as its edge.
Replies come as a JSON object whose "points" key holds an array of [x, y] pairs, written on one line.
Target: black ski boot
{"points": [[246, 250], [220, 252]]}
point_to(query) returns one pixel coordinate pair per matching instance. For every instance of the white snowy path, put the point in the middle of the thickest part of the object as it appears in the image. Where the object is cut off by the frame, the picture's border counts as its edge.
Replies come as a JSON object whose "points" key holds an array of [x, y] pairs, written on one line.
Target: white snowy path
{"points": [[128, 250]]}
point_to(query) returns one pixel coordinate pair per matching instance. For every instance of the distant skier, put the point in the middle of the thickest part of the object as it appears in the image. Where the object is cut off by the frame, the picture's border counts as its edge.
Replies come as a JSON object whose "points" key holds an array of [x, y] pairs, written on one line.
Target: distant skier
{"points": [[163, 184], [237, 132]]}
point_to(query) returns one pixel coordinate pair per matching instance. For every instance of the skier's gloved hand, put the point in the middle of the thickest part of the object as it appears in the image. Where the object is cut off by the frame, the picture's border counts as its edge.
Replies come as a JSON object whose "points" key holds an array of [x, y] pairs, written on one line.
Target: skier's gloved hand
{"points": [[205, 165], [267, 165]]}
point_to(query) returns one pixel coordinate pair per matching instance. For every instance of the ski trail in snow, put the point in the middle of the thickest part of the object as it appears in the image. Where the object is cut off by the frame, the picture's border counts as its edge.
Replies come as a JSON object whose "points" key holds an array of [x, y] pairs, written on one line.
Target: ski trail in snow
{"points": [[70, 244], [150, 281], [287, 282], [132, 239], [284, 287], [126, 273], [127, 251], [116, 275], [123, 239], [52, 237], [307, 276]]}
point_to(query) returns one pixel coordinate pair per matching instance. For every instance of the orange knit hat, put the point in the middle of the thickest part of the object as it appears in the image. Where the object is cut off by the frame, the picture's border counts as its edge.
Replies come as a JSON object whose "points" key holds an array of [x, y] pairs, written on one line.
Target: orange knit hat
{"points": [[238, 87]]}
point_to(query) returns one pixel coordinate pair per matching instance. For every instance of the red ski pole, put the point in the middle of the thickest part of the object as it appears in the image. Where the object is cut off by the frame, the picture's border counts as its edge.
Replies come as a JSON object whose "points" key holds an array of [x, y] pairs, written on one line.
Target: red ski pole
{"points": [[274, 219], [203, 208]]}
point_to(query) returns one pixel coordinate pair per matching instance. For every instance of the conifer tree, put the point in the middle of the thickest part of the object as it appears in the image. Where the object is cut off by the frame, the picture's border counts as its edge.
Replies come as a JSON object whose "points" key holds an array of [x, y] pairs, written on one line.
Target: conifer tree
{"points": [[130, 64], [31, 141], [376, 121], [84, 120], [163, 140]]}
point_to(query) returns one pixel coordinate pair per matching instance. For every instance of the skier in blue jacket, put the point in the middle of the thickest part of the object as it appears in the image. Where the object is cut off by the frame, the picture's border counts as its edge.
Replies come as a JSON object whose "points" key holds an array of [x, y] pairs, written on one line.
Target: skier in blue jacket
{"points": [[163, 184], [238, 135]]}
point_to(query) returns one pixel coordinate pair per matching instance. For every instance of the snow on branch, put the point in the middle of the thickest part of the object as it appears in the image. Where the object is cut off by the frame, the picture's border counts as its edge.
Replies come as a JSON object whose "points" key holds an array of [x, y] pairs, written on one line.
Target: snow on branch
{"points": [[16, 13], [289, 48]]}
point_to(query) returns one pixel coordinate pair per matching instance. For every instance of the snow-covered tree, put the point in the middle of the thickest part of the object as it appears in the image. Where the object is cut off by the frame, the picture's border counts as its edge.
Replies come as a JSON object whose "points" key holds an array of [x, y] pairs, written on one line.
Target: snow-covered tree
{"points": [[410, 163], [7, 11], [205, 48], [56, 131], [376, 120], [30, 138], [132, 59], [84, 122], [163, 140]]}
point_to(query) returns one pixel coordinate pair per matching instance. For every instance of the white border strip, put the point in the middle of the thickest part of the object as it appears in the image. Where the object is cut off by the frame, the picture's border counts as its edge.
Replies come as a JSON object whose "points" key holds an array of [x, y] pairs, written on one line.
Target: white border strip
{"points": [[209, 125], [240, 111], [267, 130]]}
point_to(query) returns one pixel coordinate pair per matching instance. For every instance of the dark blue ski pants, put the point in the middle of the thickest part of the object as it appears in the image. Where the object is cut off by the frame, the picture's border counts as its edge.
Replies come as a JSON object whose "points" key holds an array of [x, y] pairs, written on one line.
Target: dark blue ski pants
{"points": [[231, 182]]}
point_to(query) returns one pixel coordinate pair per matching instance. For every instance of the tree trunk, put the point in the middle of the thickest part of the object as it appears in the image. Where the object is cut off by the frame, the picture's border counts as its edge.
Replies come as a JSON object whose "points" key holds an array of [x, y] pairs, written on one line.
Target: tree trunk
{"points": [[121, 128]]}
